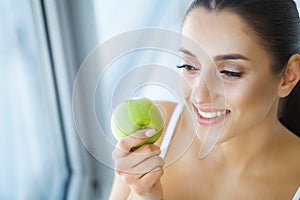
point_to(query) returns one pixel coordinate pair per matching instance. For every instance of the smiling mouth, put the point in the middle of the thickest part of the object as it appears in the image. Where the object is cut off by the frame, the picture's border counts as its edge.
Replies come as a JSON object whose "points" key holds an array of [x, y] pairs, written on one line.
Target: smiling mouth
{"points": [[210, 116]]}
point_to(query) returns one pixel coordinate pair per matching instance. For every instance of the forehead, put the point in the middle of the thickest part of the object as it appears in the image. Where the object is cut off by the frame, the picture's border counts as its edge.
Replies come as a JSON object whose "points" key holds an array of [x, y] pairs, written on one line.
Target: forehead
{"points": [[219, 32]]}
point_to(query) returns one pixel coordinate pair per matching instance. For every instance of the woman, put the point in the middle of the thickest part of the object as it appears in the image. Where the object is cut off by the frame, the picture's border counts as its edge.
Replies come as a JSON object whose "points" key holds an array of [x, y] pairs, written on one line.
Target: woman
{"points": [[255, 47]]}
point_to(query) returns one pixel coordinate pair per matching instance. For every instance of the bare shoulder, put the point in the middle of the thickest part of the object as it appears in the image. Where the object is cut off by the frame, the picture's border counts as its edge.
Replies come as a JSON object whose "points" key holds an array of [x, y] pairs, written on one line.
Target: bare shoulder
{"points": [[293, 172], [296, 156], [296, 152], [294, 146], [291, 156], [168, 108]]}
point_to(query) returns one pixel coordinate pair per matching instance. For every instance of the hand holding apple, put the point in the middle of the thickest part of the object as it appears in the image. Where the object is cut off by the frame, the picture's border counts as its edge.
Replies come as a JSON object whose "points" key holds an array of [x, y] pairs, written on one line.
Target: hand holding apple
{"points": [[135, 114]]}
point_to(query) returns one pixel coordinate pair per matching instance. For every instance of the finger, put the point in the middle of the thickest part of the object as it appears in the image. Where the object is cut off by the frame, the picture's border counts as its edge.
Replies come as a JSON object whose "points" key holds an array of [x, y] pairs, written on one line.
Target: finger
{"points": [[133, 159], [146, 182], [125, 145], [130, 178], [144, 153], [148, 165], [150, 149]]}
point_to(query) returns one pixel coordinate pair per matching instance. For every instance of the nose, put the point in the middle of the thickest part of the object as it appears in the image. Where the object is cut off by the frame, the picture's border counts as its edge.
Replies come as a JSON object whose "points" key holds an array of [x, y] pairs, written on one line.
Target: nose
{"points": [[201, 92], [207, 88]]}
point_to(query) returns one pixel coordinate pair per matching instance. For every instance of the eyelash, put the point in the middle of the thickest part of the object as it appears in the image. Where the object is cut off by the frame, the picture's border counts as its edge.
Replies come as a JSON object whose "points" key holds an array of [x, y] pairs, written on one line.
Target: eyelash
{"points": [[188, 68], [230, 74]]}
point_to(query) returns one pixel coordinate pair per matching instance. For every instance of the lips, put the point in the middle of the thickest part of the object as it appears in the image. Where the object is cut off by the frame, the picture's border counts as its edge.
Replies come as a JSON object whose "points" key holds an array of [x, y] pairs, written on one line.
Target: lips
{"points": [[209, 116]]}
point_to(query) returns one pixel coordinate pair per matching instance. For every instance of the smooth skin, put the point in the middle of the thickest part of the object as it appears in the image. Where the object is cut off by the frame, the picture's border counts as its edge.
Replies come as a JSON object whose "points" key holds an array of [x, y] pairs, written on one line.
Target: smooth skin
{"points": [[256, 156]]}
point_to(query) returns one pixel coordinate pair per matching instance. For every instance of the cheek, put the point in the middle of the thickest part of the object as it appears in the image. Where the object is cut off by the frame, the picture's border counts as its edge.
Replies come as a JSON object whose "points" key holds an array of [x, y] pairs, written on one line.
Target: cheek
{"points": [[251, 100], [185, 85]]}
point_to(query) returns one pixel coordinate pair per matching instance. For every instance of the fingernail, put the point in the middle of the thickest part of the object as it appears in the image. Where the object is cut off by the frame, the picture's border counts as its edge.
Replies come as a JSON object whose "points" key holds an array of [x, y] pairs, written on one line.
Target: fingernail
{"points": [[150, 133]]}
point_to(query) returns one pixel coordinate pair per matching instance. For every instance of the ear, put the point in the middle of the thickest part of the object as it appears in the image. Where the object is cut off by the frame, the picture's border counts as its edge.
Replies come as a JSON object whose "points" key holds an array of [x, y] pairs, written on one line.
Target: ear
{"points": [[290, 77]]}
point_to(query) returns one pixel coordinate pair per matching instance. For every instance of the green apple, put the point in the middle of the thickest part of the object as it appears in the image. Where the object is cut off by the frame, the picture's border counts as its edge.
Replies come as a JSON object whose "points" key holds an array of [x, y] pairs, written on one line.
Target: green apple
{"points": [[136, 114]]}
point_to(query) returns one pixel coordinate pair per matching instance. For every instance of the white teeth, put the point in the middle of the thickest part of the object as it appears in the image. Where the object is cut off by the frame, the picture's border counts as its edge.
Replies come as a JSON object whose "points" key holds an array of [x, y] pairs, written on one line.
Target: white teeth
{"points": [[211, 114]]}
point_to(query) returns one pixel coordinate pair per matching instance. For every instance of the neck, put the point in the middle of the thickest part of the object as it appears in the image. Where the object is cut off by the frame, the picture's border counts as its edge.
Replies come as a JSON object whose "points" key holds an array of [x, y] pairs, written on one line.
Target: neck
{"points": [[250, 150]]}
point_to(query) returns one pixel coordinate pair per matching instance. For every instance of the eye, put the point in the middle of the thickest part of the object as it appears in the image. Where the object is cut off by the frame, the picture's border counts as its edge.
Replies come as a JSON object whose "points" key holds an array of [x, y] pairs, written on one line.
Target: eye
{"points": [[231, 74], [188, 68]]}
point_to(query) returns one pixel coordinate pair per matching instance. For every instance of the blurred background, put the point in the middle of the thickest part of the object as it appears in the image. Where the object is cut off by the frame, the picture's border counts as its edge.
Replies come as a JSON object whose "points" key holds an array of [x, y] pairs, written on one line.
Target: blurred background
{"points": [[42, 46]]}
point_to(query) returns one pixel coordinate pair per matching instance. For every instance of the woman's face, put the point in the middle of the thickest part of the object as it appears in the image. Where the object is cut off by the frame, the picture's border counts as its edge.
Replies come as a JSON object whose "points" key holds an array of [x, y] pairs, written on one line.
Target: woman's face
{"points": [[231, 89]]}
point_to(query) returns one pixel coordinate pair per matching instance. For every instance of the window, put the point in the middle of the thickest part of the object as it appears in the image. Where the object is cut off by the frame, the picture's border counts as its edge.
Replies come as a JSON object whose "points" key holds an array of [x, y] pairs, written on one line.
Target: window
{"points": [[34, 161]]}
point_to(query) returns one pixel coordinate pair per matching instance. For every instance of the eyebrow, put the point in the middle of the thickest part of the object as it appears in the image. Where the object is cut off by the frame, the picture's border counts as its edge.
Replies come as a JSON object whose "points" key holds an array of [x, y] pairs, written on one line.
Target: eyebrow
{"points": [[185, 51], [233, 56]]}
